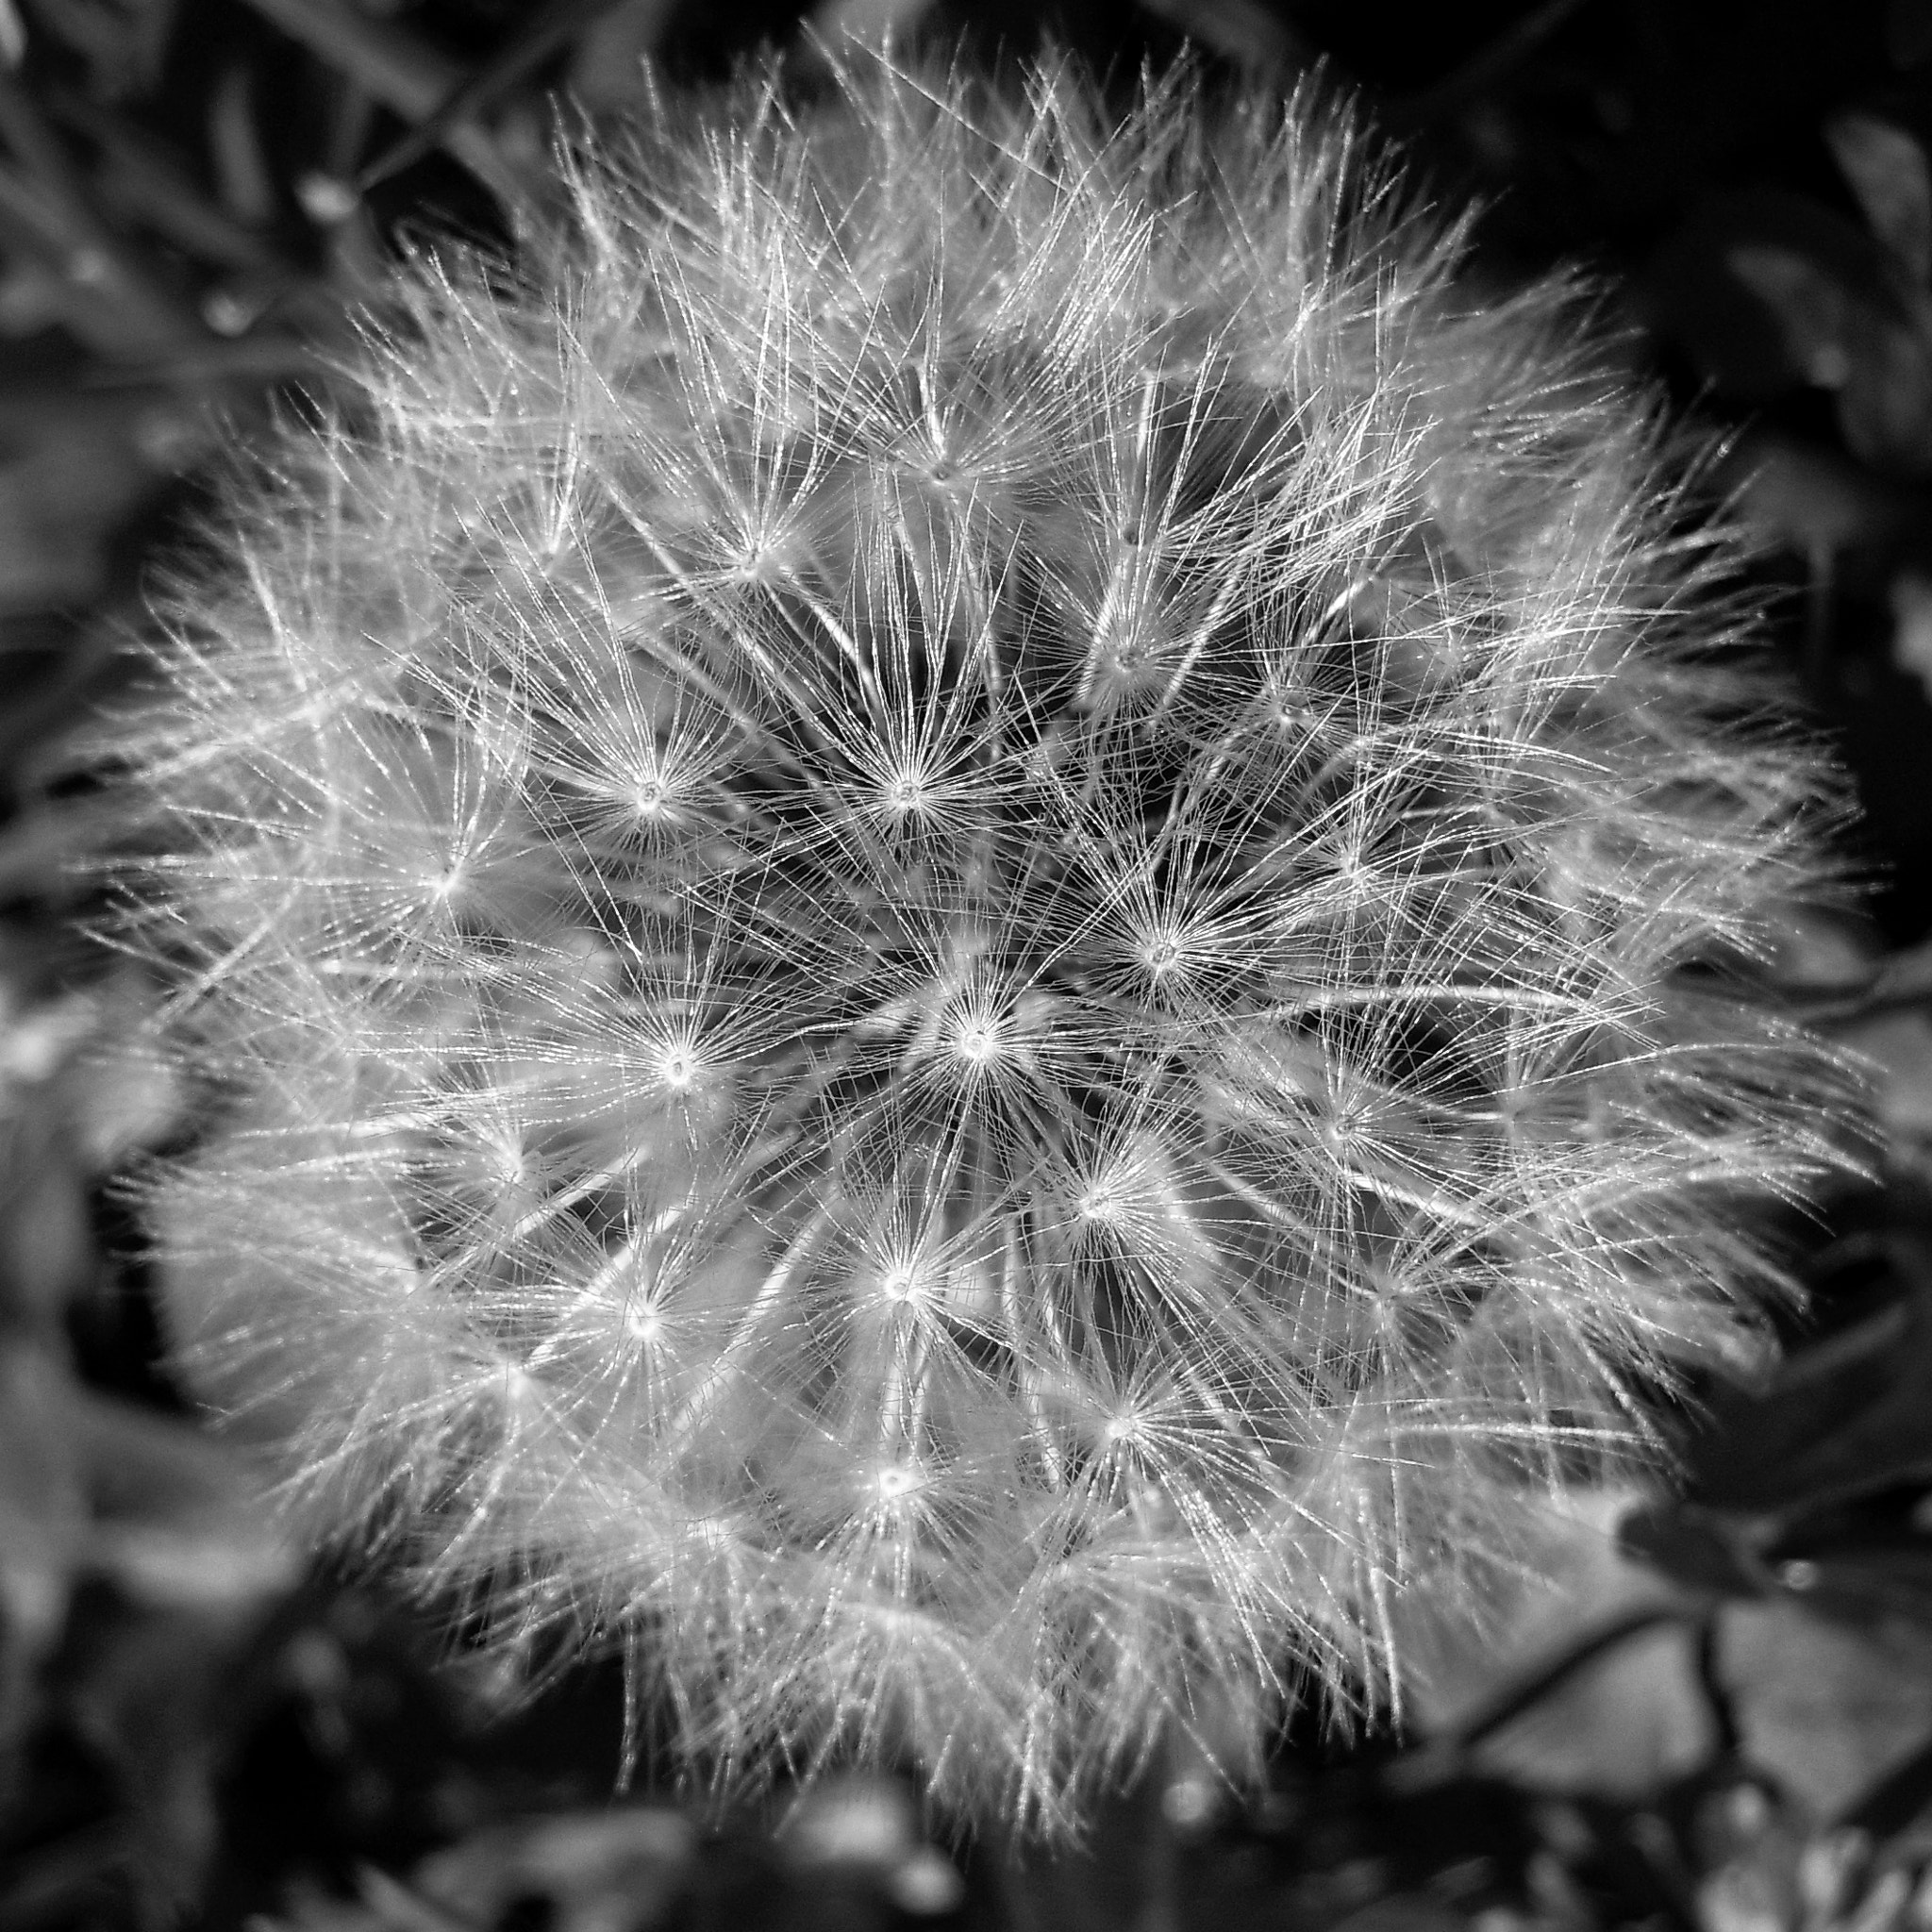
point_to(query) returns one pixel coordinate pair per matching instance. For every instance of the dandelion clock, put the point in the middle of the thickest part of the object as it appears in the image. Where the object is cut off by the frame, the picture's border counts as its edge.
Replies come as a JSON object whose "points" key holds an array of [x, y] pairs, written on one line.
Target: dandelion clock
{"points": [[968, 911]]}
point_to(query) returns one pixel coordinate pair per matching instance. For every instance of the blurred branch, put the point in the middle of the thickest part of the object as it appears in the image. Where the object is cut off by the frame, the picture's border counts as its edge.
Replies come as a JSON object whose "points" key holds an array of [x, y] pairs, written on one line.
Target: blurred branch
{"points": [[244, 179], [93, 301], [121, 308], [150, 184], [252, 359], [408, 76], [525, 48]]}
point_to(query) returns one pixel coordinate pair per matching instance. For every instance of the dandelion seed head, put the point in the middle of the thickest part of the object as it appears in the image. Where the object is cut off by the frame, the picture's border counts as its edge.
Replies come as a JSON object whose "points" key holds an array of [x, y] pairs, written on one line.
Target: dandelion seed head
{"points": [[1163, 951], [897, 1482], [972, 913], [906, 793], [902, 1282], [978, 1036], [520, 1390], [1102, 1204], [678, 1068]]}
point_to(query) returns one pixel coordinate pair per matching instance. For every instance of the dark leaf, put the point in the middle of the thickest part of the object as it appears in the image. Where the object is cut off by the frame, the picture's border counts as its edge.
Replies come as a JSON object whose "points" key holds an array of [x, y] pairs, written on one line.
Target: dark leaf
{"points": [[1734, 331], [1813, 309], [1870, 344], [625, 1869], [1826, 1705], [1898, 1800], [1867, 1580], [1489, 68], [1885, 404], [1243, 31], [1844, 1417], [1700, 1549], [1904, 978], [1812, 499], [1908, 31], [1888, 173]]}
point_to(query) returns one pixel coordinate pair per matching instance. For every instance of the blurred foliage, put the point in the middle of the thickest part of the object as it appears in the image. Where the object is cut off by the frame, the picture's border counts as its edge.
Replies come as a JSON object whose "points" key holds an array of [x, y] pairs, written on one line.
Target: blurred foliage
{"points": [[1716, 1714]]}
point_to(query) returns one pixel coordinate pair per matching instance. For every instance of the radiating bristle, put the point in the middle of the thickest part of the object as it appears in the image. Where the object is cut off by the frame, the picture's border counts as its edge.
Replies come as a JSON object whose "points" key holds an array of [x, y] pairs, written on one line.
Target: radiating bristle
{"points": [[935, 907]]}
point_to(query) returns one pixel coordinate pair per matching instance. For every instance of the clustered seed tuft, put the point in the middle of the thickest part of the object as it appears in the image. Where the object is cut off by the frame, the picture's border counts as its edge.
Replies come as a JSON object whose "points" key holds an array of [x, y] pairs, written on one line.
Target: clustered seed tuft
{"points": [[969, 913]]}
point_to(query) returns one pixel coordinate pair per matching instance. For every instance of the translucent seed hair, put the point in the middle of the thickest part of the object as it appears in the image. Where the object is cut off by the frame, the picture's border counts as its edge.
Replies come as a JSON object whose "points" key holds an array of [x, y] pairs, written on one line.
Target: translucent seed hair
{"points": [[969, 913]]}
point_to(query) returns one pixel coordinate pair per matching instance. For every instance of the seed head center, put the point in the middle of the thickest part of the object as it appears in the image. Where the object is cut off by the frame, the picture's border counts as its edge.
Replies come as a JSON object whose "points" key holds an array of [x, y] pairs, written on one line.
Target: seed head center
{"points": [[1162, 954], [1101, 1204], [906, 793], [977, 1039], [897, 1481]]}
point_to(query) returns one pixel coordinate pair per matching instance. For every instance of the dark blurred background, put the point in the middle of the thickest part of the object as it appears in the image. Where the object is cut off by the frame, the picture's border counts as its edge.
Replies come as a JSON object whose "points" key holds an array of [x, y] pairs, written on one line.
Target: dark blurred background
{"points": [[1716, 1717]]}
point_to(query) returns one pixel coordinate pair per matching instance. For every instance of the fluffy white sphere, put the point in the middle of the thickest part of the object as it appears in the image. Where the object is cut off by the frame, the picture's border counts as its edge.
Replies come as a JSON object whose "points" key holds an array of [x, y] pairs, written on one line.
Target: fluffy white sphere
{"points": [[937, 899]]}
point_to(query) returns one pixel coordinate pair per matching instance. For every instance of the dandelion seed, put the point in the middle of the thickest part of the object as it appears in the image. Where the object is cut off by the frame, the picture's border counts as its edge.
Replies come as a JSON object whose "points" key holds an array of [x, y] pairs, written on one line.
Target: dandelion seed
{"points": [[937, 901], [901, 1282], [1101, 1204], [896, 1483], [977, 1038], [1164, 953]]}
